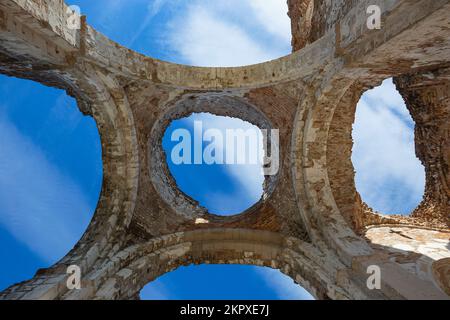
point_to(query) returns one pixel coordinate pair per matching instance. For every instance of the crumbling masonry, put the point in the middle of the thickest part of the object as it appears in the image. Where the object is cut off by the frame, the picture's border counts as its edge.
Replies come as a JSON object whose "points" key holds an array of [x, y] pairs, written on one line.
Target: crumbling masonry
{"points": [[311, 224]]}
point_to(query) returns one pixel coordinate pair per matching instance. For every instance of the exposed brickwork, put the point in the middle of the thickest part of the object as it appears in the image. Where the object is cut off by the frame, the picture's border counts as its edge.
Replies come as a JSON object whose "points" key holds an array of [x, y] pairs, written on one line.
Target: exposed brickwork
{"points": [[312, 224], [427, 96]]}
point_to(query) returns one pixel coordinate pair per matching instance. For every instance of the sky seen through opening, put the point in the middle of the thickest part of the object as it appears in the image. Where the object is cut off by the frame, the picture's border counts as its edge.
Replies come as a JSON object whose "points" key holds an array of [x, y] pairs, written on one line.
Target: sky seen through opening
{"points": [[50, 154]]}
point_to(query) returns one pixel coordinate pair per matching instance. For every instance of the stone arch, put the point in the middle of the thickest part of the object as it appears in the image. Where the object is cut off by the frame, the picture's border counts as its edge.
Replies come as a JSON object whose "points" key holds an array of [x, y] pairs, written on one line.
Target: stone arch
{"points": [[342, 57], [131, 269], [136, 66], [325, 177], [109, 107], [312, 179], [114, 209], [328, 168], [341, 173]]}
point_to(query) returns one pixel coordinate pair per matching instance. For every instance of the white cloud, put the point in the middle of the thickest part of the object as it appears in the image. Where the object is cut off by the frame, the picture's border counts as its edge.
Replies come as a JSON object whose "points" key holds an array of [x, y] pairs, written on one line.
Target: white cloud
{"points": [[203, 33], [249, 176], [215, 33], [203, 39], [272, 15], [232, 33], [38, 205], [388, 175], [285, 287]]}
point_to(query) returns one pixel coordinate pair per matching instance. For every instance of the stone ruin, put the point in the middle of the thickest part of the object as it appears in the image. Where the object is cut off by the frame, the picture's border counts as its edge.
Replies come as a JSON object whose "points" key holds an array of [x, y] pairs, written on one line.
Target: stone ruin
{"points": [[311, 224]]}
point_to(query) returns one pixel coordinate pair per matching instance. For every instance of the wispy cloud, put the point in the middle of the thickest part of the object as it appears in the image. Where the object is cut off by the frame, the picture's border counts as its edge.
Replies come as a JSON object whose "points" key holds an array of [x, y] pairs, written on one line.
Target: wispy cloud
{"points": [[388, 175], [39, 206], [206, 40], [272, 16], [153, 8], [211, 34], [249, 176], [283, 285]]}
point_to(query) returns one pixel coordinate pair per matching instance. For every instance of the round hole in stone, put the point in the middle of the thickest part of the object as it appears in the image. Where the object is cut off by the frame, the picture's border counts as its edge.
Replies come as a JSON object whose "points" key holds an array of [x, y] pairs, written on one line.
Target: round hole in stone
{"points": [[389, 176], [216, 161]]}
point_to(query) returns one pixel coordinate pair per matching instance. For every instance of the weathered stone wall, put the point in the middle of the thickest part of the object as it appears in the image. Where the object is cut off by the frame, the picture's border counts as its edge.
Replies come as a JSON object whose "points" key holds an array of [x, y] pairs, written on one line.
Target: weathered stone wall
{"points": [[312, 224], [424, 253], [418, 90], [311, 19], [427, 96]]}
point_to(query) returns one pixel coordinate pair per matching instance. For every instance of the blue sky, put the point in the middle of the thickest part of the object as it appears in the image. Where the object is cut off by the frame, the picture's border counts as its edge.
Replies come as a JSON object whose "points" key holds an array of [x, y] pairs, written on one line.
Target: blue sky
{"points": [[50, 155], [240, 185], [389, 176]]}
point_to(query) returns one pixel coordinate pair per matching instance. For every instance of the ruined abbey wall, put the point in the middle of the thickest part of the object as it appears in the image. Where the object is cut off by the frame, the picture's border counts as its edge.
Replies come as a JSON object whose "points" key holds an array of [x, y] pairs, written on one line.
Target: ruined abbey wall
{"points": [[312, 225]]}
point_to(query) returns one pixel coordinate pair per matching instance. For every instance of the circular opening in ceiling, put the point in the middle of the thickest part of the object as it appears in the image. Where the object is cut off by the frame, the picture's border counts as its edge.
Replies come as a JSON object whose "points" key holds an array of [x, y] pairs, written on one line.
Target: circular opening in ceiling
{"points": [[206, 156], [389, 176], [217, 161]]}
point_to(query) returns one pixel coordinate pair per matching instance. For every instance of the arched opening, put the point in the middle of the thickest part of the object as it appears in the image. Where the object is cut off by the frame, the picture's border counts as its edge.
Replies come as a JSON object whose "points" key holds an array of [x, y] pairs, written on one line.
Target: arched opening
{"points": [[224, 282], [214, 33], [50, 176], [217, 161], [389, 176], [230, 120], [209, 247]]}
